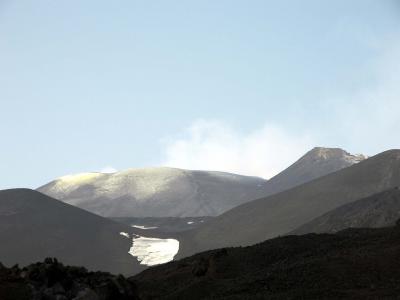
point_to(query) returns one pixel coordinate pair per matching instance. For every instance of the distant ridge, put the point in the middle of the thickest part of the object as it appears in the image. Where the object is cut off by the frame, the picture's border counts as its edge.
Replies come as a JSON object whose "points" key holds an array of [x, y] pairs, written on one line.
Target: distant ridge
{"points": [[281, 213], [378, 210]]}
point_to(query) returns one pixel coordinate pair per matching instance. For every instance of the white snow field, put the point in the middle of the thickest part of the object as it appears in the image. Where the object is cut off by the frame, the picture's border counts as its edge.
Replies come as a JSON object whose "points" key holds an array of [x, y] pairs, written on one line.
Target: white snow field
{"points": [[153, 251]]}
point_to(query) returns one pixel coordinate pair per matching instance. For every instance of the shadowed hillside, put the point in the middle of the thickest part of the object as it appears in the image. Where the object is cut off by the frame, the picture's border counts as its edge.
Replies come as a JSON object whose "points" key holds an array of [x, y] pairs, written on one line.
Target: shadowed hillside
{"points": [[379, 210], [34, 226], [352, 264]]}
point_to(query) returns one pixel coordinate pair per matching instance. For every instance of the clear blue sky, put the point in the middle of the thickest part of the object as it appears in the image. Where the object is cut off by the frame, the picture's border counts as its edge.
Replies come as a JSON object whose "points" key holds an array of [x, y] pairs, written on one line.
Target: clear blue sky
{"points": [[90, 84]]}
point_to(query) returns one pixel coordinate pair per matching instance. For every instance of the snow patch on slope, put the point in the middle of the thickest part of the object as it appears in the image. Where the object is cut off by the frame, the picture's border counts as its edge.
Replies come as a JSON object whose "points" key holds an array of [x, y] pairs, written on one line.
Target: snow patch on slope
{"points": [[153, 251], [144, 227], [125, 234], [355, 158]]}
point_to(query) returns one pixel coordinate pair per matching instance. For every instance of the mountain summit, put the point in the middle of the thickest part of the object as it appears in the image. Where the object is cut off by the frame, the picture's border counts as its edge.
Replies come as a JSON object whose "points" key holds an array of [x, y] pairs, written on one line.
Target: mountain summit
{"points": [[155, 192], [316, 163], [321, 153]]}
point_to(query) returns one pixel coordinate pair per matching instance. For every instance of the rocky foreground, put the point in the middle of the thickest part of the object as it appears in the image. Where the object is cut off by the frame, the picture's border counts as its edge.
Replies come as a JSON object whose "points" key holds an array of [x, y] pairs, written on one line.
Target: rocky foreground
{"points": [[52, 280], [351, 264]]}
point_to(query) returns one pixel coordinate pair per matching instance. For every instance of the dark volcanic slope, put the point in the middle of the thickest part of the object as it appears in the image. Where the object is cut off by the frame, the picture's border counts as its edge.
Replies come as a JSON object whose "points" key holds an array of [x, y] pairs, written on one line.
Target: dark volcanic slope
{"points": [[353, 264], [281, 213], [379, 210], [34, 226]]}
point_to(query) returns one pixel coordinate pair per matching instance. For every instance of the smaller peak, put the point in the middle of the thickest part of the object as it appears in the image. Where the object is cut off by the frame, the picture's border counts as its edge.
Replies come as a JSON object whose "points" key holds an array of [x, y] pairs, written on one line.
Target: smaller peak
{"points": [[323, 153], [327, 149], [327, 152]]}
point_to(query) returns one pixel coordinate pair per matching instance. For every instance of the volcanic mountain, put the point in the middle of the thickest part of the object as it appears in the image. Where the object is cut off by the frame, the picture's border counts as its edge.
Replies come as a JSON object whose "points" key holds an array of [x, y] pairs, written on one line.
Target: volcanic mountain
{"points": [[316, 163], [169, 192], [281, 213], [155, 192]]}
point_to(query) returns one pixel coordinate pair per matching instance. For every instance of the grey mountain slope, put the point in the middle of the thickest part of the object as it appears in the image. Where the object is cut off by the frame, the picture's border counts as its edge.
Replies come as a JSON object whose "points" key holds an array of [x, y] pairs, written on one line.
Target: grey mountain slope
{"points": [[316, 163], [378, 210], [170, 192], [281, 213], [155, 192], [34, 226]]}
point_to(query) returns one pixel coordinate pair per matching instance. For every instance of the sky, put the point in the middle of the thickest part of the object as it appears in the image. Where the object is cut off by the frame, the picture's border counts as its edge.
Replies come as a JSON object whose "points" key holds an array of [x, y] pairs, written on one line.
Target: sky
{"points": [[238, 86]]}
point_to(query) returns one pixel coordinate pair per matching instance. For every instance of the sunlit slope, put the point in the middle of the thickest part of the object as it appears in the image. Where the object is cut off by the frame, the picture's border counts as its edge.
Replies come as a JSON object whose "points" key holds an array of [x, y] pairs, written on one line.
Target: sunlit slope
{"points": [[155, 192]]}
